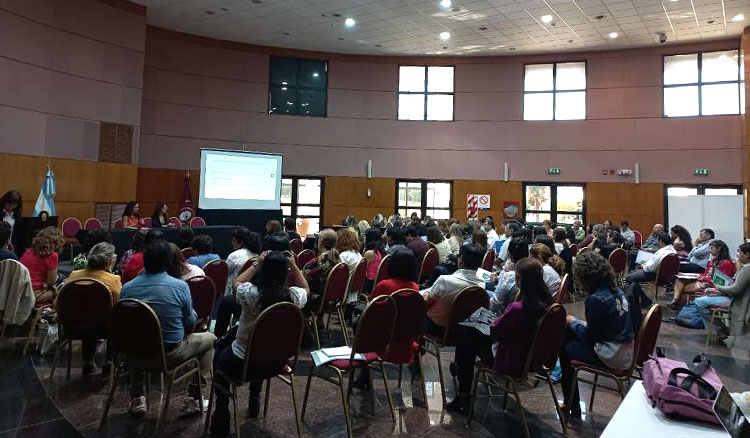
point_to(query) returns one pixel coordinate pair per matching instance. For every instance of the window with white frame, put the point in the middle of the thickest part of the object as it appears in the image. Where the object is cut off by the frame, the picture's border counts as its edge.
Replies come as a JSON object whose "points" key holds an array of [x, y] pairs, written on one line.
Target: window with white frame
{"points": [[563, 204], [703, 84], [555, 91], [426, 198], [302, 199], [425, 93]]}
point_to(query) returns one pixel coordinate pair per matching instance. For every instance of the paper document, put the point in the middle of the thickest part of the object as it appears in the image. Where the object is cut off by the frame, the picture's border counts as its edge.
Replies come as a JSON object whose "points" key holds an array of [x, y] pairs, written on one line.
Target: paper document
{"points": [[480, 320], [484, 274], [326, 355], [721, 279], [642, 257], [688, 276]]}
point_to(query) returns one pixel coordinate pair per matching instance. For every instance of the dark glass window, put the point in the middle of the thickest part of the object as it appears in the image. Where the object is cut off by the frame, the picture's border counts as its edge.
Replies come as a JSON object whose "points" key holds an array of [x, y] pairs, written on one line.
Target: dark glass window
{"points": [[297, 86]]}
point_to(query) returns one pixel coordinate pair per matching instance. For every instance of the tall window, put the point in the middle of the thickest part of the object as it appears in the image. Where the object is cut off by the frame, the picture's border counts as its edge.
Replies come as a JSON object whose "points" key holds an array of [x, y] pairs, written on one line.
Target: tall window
{"points": [[297, 86], [703, 84], [703, 190], [426, 198], [555, 91], [561, 203], [425, 93], [302, 199]]}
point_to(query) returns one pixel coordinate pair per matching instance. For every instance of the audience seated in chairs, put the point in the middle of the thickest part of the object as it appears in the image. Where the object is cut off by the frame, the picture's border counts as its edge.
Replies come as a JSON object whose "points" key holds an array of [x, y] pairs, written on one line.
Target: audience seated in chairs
{"points": [[374, 253], [580, 233], [185, 236], [178, 268], [442, 245], [42, 260], [395, 238], [606, 338], [704, 284], [553, 266], [134, 262], [273, 227], [170, 299], [5, 234], [613, 241], [418, 246], [203, 247], [246, 244], [317, 270], [94, 237], [347, 244], [455, 238], [101, 259], [651, 243], [737, 298], [700, 254], [502, 285], [290, 227], [439, 295], [131, 217], [647, 272], [230, 354], [511, 332], [681, 241], [479, 238]]}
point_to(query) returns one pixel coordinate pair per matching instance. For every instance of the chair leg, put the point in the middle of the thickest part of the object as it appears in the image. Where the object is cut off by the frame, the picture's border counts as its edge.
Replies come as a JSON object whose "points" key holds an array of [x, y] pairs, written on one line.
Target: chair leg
{"points": [[315, 330], [108, 403], [165, 405], [573, 387], [342, 323], [593, 392], [505, 395], [296, 410], [440, 373], [148, 390], [207, 421], [400, 370], [423, 383], [554, 398], [70, 357], [268, 395], [32, 329], [388, 392], [621, 388], [710, 328], [521, 410], [472, 397], [233, 389], [307, 392], [346, 407]]}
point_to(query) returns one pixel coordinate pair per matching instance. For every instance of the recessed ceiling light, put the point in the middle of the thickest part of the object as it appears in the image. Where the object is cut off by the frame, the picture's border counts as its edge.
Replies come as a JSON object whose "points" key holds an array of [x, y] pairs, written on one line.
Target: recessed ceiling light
{"points": [[546, 18], [445, 35], [349, 22], [445, 3], [613, 35], [739, 17]]}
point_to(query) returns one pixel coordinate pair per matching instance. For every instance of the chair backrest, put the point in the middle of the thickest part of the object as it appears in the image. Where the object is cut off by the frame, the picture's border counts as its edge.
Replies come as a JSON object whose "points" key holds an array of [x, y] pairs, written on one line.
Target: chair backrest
{"points": [[465, 302], [547, 340], [410, 314], [295, 245], [118, 224], [70, 227], [175, 221], [135, 331], [429, 261], [335, 287], [637, 239], [92, 223], [218, 271], [647, 334], [573, 249], [148, 222], [489, 260], [669, 266], [203, 293], [197, 222], [375, 326], [382, 273], [83, 305], [618, 260], [187, 252], [276, 336], [564, 291], [304, 257], [583, 250], [358, 277]]}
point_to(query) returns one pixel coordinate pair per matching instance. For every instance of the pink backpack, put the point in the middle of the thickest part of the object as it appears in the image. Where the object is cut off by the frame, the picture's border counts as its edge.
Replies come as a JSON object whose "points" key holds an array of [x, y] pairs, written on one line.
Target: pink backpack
{"points": [[681, 392]]}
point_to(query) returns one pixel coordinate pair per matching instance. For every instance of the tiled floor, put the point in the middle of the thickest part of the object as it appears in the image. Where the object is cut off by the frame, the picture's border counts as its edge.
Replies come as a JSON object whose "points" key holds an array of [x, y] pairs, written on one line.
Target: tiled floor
{"points": [[30, 409]]}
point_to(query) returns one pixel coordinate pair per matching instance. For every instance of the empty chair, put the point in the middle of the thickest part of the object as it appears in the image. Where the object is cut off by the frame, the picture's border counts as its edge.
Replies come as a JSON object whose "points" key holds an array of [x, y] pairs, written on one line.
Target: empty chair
{"points": [[118, 224], [175, 221], [197, 222], [148, 222], [332, 300], [669, 266], [70, 228], [489, 260], [295, 245], [92, 223], [304, 257], [203, 294], [429, 261], [638, 241]]}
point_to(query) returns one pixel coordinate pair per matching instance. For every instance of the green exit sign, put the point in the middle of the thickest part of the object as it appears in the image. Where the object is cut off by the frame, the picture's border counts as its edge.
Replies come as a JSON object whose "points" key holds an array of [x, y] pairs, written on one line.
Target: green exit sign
{"points": [[554, 171], [700, 172]]}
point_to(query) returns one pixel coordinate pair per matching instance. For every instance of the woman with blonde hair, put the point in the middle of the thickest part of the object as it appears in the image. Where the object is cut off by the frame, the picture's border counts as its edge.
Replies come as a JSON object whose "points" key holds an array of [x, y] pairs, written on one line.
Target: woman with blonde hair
{"points": [[362, 226], [347, 244], [552, 265], [455, 238], [41, 260]]}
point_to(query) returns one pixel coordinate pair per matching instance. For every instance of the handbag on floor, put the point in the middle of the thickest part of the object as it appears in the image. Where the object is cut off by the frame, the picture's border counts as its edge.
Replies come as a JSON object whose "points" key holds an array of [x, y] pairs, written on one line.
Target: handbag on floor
{"points": [[689, 317]]}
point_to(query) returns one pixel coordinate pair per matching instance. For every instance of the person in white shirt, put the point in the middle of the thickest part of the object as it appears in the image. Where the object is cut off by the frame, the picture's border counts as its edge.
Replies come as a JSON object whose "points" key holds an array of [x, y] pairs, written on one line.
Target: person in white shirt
{"points": [[246, 244], [510, 228], [700, 254], [492, 237], [627, 233], [347, 244], [442, 246], [440, 295], [647, 271], [455, 238], [552, 266]]}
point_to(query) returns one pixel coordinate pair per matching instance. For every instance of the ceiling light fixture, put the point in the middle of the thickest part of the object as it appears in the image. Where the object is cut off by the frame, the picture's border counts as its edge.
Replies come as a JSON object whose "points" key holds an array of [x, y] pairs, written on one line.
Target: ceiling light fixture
{"points": [[445, 35], [445, 3], [739, 17], [546, 18], [350, 22], [613, 35]]}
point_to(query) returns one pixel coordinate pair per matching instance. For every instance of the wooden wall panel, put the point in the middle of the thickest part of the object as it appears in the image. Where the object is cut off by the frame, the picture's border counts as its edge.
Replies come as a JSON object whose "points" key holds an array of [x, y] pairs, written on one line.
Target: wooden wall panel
{"points": [[164, 185], [80, 184], [348, 195], [499, 192], [640, 204]]}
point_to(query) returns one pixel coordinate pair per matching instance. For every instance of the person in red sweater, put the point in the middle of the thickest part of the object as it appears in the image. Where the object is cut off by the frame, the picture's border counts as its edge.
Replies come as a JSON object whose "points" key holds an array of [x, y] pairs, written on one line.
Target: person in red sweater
{"points": [[401, 274], [134, 264], [704, 284], [512, 332]]}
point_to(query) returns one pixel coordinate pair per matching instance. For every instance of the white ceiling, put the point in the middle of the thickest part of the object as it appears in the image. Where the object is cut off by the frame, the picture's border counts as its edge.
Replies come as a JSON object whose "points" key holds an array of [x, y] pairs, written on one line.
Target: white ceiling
{"points": [[477, 27]]}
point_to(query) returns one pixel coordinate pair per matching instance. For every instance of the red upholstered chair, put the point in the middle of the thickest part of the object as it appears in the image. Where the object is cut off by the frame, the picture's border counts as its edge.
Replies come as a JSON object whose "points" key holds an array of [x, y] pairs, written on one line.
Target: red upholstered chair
{"points": [[410, 314], [118, 224], [304, 257], [197, 222], [274, 341], [618, 260], [573, 249], [218, 271], [540, 359], [429, 261], [382, 273], [92, 223], [464, 303], [669, 266], [331, 303], [583, 250], [187, 252], [357, 280], [638, 239], [70, 227], [563, 293], [489, 260], [175, 221], [295, 245], [148, 222], [645, 342], [203, 293], [374, 332]]}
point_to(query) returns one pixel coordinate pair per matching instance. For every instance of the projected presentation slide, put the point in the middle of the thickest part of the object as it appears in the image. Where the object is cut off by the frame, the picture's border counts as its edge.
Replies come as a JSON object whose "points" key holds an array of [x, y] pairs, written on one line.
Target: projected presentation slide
{"points": [[240, 180]]}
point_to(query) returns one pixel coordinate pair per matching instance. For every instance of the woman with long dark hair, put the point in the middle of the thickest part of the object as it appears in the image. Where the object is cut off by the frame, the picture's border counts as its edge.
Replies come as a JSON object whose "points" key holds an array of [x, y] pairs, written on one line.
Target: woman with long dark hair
{"points": [[160, 216], [512, 333], [681, 240], [374, 253], [230, 353], [704, 284], [178, 268], [131, 215]]}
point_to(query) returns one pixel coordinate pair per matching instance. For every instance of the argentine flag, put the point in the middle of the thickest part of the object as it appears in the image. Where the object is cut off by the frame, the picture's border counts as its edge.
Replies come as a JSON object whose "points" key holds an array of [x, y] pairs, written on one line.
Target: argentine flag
{"points": [[46, 201]]}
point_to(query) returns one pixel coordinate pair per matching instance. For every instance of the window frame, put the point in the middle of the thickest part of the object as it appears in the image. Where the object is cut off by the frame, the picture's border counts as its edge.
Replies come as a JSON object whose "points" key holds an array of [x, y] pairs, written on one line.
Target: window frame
{"points": [[295, 197], [553, 211], [423, 201], [700, 85], [701, 192], [296, 88], [425, 93], [554, 90]]}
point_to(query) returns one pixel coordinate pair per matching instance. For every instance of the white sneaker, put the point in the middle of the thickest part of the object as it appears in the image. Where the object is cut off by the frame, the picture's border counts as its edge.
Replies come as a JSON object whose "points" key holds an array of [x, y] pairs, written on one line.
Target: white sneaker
{"points": [[192, 406], [137, 407]]}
